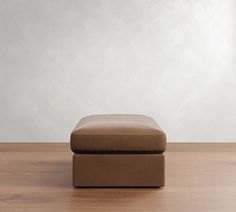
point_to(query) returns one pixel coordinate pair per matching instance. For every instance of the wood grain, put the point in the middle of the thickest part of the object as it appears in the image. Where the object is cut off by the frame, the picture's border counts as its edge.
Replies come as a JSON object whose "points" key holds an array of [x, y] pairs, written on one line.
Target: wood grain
{"points": [[37, 177]]}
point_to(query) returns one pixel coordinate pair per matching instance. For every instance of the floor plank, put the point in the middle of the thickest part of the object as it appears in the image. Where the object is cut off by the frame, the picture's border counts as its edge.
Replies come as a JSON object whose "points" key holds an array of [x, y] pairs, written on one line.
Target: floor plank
{"points": [[37, 177]]}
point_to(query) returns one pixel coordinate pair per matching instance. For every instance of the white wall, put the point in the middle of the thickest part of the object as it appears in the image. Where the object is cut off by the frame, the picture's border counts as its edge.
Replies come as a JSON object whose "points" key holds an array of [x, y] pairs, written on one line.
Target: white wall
{"points": [[174, 60]]}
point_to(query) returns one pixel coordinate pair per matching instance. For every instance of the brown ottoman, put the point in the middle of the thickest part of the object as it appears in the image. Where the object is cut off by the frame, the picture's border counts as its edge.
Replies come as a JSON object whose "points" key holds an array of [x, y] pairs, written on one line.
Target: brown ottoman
{"points": [[118, 151]]}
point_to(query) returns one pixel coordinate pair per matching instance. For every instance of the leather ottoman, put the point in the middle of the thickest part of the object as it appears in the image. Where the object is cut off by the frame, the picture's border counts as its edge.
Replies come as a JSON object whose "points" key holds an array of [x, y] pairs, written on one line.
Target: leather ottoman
{"points": [[118, 151]]}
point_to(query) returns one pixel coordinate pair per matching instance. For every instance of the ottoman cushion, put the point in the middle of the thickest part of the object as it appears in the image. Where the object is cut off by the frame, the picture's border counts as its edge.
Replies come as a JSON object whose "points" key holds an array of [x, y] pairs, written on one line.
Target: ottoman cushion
{"points": [[117, 134]]}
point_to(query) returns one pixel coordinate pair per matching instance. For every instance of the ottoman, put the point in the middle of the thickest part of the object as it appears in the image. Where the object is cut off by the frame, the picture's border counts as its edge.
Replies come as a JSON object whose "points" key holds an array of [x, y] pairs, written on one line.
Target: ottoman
{"points": [[118, 151]]}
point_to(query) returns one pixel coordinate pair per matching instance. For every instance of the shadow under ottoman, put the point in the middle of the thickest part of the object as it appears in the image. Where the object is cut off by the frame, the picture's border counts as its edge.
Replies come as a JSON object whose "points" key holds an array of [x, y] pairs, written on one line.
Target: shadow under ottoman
{"points": [[118, 151]]}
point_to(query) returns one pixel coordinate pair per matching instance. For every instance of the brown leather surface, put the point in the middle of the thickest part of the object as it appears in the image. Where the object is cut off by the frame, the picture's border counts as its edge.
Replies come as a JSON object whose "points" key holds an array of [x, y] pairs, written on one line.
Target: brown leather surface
{"points": [[115, 170], [118, 134]]}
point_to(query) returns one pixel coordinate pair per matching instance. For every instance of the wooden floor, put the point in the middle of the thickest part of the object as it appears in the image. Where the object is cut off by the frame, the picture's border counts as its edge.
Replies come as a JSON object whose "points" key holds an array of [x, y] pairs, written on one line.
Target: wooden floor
{"points": [[37, 177]]}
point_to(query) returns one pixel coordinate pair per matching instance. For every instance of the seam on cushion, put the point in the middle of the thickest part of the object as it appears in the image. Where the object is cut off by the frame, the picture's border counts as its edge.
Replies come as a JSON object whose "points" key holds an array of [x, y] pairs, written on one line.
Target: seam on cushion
{"points": [[118, 152], [92, 135]]}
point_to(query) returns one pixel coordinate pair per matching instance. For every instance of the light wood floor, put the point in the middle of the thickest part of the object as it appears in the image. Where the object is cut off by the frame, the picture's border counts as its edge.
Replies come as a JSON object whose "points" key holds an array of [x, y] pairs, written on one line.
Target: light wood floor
{"points": [[37, 177]]}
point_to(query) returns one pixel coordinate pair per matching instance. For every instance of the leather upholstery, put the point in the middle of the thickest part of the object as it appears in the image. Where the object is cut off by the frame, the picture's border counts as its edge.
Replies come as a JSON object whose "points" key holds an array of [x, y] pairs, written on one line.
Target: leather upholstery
{"points": [[116, 170], [118, 134]]}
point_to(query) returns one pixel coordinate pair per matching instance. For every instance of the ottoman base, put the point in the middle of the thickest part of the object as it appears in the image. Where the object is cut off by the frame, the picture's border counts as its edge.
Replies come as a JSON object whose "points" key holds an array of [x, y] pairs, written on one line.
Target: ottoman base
{"points": [[118, 170]]}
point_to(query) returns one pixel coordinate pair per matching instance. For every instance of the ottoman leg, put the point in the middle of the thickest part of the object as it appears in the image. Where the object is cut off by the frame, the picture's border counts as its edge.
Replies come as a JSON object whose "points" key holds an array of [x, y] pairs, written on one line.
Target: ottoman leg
{"points": [[118, 170]]}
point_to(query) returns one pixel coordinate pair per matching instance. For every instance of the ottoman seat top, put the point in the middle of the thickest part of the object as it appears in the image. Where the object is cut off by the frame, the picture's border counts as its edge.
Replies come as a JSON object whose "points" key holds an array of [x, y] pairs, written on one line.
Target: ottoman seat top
{"points": [[118, 133]]}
